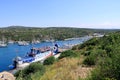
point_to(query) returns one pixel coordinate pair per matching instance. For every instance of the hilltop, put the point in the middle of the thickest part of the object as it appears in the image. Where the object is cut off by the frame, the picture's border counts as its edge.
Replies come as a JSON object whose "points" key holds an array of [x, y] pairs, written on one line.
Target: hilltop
{"points": [[57, 33]]}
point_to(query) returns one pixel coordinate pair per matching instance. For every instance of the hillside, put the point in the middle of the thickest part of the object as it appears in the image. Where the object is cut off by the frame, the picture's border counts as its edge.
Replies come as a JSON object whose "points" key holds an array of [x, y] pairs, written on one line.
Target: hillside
{"points": [[104, 55], [29, 33], [96, 59]]}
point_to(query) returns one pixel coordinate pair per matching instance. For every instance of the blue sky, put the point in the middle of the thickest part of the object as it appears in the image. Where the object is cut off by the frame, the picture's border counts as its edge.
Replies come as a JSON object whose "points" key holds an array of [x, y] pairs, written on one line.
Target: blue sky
{"points": [[60, 13]]}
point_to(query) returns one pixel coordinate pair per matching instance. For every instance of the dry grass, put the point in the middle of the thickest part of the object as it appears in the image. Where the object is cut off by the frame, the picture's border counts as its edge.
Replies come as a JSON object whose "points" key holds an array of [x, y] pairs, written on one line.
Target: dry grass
{"points": [[83, 72], [67, 69]]}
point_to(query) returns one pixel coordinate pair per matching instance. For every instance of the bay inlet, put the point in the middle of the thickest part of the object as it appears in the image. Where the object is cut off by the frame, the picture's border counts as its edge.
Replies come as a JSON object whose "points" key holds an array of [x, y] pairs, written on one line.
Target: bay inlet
{"points": [[12, 50]]}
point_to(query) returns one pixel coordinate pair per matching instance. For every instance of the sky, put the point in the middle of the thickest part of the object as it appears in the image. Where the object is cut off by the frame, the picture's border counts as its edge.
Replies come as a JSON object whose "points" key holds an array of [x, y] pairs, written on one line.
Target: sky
{"points": [[61, 13]]}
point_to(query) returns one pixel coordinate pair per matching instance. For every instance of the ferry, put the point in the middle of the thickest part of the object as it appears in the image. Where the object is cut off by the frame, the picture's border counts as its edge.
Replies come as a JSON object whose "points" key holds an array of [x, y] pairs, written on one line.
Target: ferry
{"points": [[35, 55]]}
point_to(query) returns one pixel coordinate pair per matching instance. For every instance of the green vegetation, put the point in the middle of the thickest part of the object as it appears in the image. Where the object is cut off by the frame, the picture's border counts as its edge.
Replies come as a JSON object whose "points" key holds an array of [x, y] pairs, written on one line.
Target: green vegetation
{"points": [[29, 33], [68, 53], [49, 60], [89, 61], [96, 59], [32, 69], [104, 53]]}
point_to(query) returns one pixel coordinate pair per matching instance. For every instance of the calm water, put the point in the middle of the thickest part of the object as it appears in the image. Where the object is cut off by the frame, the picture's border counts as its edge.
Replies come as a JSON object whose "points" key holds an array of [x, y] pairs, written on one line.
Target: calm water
{"points": [[12, 50]]}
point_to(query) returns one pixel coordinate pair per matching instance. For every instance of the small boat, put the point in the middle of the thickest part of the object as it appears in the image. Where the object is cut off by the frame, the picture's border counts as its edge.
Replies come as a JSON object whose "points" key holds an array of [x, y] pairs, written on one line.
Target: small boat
{"points": [[35, 55], [10, 42], [52, 40], [22, 43], [3, 44], [35, 42]]}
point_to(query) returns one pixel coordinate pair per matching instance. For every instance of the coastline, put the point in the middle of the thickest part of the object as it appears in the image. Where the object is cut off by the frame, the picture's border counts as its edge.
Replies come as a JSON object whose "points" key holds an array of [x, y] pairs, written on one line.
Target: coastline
{"points": [[66, 47], [27, 64]]}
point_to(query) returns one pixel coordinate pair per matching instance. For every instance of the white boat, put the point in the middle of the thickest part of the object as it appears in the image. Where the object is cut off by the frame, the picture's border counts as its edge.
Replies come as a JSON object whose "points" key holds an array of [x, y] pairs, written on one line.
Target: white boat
{"points": [[10, 42], [3, 44], [22, 43], [52, 40], [35, 42], [35, 55]]}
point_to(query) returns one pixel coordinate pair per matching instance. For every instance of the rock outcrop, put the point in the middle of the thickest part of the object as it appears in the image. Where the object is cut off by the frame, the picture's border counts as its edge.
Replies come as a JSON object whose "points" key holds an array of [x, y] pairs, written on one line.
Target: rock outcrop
{"points": [[6, 76]]}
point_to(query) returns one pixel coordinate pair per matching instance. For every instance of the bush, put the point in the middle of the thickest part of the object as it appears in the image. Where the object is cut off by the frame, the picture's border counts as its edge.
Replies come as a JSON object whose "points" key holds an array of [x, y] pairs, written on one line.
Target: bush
{"points": [[68, 53], [87, 53], [81, 46], [31, 69], [49, 60], [96, 75], [89, 61], [74, 47], [34, 67], [89, 48]]}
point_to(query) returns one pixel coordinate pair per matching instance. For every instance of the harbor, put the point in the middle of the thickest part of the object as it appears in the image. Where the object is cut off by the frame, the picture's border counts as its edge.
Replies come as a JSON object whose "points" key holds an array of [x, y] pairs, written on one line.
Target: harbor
{"points": [[12, 50], [22, 66]]}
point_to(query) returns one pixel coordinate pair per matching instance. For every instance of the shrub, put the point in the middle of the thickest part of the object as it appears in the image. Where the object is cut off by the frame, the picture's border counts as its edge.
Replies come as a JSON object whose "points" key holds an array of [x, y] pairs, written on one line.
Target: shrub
{"points": [[89, 48], [86, 53], [31, 69], [96, 75], [34, 67], [68, 53], [81, 46], [49, 60], [74, 47], [89, 61]]}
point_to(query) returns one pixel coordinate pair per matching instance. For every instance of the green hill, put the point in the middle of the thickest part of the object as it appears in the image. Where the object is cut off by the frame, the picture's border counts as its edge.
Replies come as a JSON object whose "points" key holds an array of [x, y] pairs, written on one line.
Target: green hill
{"points": [[104, 54], [57, 33], [96, 59]]}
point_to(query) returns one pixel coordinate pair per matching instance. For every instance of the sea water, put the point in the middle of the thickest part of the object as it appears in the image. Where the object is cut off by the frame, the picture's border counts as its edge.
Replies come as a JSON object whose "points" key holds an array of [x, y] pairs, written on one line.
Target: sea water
{"points": [[12, 50]]}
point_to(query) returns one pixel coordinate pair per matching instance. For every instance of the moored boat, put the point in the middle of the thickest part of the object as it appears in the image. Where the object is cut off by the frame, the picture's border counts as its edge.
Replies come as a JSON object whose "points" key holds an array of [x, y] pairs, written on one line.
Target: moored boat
{"points": [[35, 42], [10, 42], [35, 55], [3, 44], [22, 43]]}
